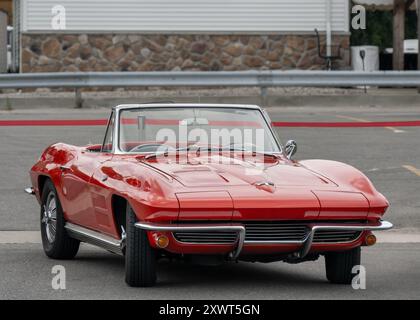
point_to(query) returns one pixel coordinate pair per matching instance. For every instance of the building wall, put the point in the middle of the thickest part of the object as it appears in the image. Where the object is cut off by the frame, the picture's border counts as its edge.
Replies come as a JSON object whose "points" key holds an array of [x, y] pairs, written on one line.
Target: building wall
{"points": [[151, 35], [132, 52]]}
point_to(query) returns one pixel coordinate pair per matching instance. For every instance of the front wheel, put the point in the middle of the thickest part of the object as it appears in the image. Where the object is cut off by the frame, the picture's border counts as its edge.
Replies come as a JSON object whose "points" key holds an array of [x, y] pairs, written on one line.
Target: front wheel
{"points": [[339, 265], [55, 240], [140, 257]]}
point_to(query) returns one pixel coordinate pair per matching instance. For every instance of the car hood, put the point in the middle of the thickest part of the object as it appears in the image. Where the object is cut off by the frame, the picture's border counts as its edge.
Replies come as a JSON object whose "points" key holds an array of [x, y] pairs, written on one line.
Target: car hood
{"points": [[219, 170], [267, 188]]}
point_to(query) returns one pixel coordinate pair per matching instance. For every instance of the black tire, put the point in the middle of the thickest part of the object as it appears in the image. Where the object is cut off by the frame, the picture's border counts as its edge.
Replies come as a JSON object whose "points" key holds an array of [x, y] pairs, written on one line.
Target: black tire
{"points": [[140, 257], [339, 265], [61, 246]]}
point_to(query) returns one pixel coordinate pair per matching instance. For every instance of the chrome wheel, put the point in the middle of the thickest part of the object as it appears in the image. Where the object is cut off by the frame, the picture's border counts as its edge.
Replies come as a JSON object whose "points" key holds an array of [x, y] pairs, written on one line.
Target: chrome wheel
{"points": [[49, 217], [55, 241]]}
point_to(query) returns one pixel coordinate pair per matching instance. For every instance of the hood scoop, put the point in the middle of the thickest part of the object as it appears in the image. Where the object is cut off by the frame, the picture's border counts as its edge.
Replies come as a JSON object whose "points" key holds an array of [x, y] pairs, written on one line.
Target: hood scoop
{"points": [[200, 176]]}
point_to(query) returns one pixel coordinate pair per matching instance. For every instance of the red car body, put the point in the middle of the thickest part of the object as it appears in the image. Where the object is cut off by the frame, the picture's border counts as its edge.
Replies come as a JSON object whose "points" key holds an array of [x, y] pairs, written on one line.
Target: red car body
{"points": [[322, 195]]}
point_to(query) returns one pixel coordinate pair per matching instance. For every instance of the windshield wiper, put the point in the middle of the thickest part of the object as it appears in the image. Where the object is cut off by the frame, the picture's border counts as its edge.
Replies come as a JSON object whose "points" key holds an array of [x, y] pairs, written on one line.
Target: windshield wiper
{"points": [[201, 149], [187, 149], [268, 154]]}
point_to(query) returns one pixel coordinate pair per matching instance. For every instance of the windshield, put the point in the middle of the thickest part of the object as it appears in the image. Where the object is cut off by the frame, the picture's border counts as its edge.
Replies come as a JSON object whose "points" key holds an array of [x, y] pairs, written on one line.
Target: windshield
{"points": [[174, 128]]}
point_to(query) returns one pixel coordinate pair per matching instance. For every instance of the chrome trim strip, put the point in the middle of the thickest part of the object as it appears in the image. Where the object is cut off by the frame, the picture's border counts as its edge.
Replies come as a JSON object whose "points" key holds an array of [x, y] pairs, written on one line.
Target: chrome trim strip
{"points": [[95, 238], [175, 105], [274, 242], [239, 229], [30, 190]]}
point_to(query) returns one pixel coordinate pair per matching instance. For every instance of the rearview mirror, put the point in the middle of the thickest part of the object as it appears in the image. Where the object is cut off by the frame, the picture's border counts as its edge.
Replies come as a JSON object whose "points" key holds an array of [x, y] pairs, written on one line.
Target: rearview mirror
{"points": [[290, 148]]}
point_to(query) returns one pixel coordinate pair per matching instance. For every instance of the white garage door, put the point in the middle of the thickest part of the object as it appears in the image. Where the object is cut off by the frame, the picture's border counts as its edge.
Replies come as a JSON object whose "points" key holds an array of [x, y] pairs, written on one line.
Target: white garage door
{"points": [[188, 15]]}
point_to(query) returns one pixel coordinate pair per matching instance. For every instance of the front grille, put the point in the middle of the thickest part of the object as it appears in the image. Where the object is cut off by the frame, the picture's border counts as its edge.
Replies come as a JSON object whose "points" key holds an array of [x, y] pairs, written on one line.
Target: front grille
{"points": [[272, 231], [275, 231], [226, 237], [331, 236], [268, 231]]}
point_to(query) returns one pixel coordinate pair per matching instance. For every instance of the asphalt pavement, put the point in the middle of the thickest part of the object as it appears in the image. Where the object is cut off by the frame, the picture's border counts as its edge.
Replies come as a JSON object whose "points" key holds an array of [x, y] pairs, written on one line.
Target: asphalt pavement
{"points": [[392, 272], [389, 156]]}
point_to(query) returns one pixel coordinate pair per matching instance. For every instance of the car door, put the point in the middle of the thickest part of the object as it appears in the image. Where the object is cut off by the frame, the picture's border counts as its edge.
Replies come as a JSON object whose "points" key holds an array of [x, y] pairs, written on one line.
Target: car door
{"points": [[77, 178], [99, 190]]}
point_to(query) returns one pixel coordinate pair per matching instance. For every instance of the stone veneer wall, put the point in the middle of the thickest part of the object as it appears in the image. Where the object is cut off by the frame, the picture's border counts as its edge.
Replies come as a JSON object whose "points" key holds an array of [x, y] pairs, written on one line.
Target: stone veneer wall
{"points": [[132, 52]]}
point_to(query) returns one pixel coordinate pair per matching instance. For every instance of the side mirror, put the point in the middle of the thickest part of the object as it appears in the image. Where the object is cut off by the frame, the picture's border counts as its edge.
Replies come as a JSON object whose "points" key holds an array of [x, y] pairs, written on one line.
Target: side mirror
{"points": [[290, 148]]}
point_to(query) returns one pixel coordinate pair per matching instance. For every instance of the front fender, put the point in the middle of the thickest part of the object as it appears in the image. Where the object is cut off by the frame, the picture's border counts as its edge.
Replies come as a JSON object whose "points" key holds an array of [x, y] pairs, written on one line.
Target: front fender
{"points": [[348, 177], [151, 197]]}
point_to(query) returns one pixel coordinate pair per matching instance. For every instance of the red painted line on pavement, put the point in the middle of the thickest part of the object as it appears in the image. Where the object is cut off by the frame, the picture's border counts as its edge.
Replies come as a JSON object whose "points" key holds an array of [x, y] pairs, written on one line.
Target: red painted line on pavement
{"points": [[348, 124], [47, 123], [103, 122]]}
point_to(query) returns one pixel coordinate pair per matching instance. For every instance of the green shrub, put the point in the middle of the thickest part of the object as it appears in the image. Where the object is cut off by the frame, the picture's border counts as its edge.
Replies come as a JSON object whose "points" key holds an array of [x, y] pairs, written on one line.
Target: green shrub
{"points": [[379, 29]]}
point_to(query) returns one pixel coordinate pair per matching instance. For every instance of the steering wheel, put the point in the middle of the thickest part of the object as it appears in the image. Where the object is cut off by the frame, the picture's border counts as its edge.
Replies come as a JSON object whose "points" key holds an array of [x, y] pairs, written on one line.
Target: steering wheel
{"points": [[151, 147]]}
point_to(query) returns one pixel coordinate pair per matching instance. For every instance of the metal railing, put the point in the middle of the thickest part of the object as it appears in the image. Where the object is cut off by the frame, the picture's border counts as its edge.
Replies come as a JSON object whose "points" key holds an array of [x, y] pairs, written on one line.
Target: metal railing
{"points": [[262, 79]]}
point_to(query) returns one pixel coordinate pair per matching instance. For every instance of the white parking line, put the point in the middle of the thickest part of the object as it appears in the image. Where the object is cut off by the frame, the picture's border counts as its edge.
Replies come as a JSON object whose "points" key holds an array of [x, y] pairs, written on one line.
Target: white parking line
{"points": [[19, 237], [34, 237], [412, 169], [395, 237], [395, 130]]}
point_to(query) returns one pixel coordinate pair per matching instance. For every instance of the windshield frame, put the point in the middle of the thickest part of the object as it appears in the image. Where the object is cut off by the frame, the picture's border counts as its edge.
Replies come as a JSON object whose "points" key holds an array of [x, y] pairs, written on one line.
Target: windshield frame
{"points": [[119, 109]]}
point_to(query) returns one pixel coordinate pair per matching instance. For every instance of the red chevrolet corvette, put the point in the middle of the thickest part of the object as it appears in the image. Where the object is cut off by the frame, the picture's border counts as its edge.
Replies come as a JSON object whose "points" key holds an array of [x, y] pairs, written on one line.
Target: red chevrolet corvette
{"points": [[206, 183]]}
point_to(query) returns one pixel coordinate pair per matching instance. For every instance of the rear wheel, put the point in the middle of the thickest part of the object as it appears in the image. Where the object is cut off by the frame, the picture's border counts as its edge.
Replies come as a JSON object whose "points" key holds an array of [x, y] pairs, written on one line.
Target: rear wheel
{"points": [[339, 265], [140, 257], [55, 240]]}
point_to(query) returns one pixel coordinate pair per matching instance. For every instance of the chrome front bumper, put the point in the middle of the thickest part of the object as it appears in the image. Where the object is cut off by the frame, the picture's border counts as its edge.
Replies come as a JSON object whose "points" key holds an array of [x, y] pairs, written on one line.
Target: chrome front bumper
{"points": [[240, 232]]}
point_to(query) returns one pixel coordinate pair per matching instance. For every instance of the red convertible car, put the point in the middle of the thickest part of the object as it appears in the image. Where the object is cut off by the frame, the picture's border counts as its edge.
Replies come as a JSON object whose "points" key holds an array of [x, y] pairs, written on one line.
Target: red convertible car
{"points": [[206, 183]]}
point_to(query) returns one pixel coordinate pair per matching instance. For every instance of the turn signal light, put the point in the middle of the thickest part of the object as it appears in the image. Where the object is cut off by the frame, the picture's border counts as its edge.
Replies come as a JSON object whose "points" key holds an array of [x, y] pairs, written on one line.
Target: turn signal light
{"points": [[370, 239], [162, 241]]}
